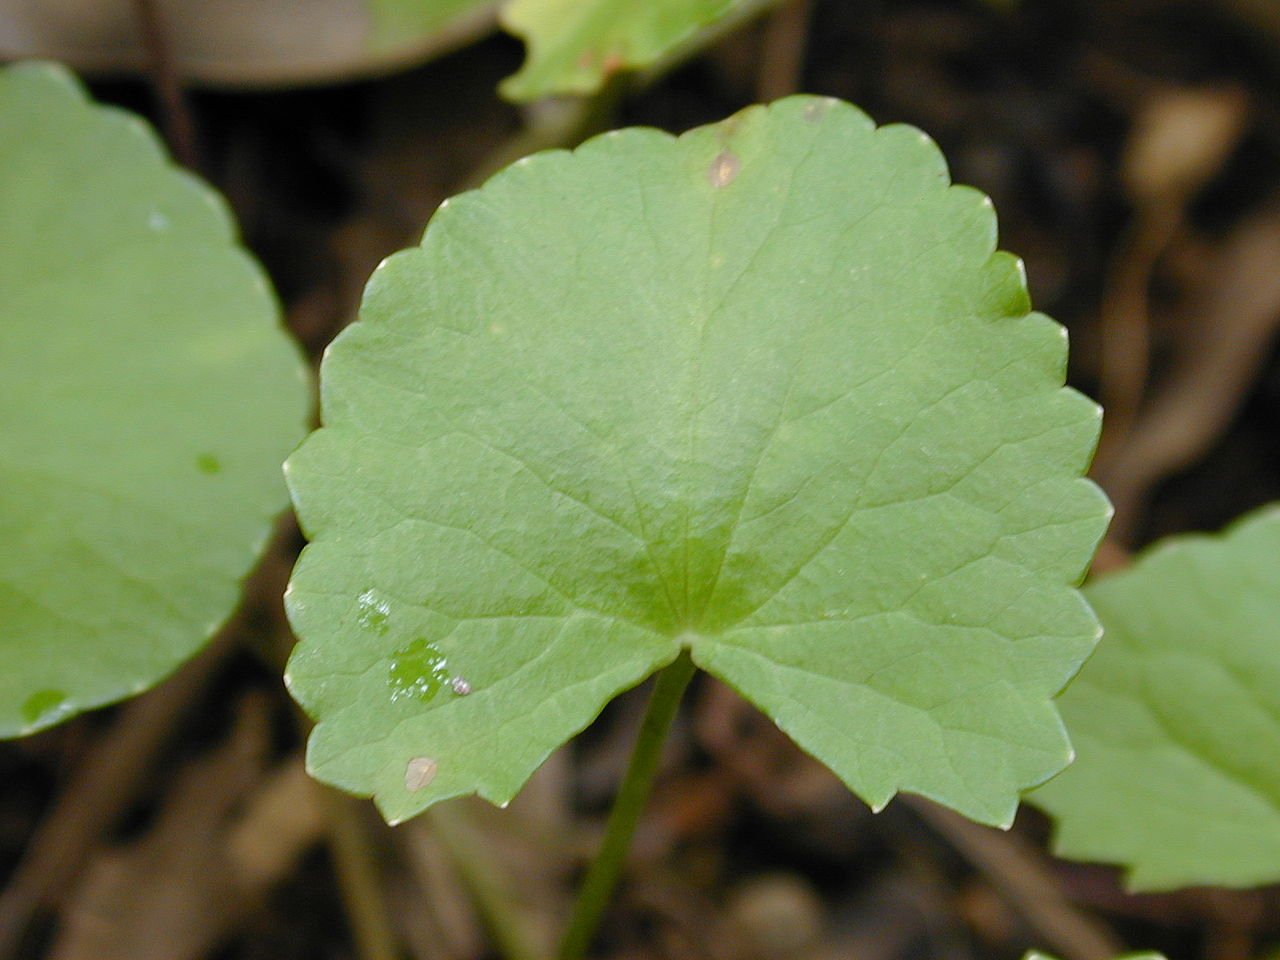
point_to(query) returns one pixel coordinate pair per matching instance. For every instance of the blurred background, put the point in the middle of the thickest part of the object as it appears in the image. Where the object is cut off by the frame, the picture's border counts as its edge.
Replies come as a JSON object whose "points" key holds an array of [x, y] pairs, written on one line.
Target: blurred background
{"points": [[1132, 148]]}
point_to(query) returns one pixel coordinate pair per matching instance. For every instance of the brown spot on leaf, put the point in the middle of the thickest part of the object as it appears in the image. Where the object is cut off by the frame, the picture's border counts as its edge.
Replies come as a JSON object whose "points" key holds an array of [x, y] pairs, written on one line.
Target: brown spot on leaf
{"points": [[419, 773], [724, 169], [611, 64]]}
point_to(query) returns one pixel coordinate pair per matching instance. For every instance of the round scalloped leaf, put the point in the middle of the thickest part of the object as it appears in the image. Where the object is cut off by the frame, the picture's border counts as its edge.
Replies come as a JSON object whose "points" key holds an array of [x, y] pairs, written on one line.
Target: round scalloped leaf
{"points": [[148, 398], [575, 45], [765, 391], [1177, 717]]}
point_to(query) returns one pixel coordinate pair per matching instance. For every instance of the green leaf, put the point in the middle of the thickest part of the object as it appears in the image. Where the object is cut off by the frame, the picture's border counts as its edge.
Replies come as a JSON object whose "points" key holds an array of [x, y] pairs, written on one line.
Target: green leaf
{"points": [[148, 398], [1177, 717], [574, 45], [1140, 955], [765, 391]]}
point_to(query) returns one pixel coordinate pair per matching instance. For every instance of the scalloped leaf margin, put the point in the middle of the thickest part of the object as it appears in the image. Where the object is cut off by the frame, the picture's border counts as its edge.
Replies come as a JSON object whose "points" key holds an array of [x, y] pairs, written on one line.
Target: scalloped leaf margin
{"points": [[764, 391]]}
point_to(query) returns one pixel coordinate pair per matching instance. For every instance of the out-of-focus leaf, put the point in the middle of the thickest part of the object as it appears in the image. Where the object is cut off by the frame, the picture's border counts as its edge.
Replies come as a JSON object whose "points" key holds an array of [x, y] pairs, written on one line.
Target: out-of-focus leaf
{"points": [[148, 397], [1177, 717], [574, 45], [246, 42]]}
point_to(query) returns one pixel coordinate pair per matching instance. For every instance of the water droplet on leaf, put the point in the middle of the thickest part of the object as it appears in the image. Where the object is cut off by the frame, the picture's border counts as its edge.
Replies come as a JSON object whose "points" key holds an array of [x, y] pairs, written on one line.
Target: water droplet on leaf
{"points": [[417, 672], [374, 612], [460, 686]]}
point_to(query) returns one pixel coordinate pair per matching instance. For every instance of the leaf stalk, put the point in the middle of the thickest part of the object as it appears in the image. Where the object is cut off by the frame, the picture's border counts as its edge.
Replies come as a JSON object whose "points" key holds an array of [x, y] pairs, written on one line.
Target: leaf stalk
{"points": [[602, 877]]}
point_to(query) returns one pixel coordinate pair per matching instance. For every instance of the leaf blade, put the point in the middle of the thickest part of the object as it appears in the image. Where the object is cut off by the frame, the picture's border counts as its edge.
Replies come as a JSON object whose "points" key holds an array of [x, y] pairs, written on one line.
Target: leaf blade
{"points": [[669, 379], [149, 395], [1176, 717], [573, 47]]}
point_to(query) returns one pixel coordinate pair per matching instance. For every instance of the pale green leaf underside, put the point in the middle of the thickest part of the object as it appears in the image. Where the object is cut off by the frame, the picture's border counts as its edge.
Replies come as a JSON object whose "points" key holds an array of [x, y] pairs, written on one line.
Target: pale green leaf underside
{"points": [[148, 396], [398, 23], [1140, 955], [574, 45], [764, 390], [1177, 717]]}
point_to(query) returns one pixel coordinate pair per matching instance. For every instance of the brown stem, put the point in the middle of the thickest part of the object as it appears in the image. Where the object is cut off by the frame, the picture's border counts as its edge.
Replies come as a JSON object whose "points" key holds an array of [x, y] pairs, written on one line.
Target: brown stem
{"points": [[782, 51], [1126, 323], [175, 112], [359, 879]]}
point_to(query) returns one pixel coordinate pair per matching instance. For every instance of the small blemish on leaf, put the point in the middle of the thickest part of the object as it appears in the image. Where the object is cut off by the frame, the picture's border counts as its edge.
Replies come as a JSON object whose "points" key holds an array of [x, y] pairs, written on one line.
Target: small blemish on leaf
{"points": [[611, 64], [817, 110], [207, 463], [724, 169], [460, 686], [419, 773]]}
